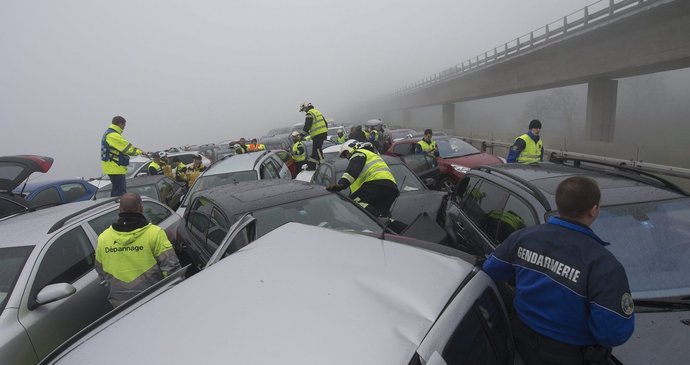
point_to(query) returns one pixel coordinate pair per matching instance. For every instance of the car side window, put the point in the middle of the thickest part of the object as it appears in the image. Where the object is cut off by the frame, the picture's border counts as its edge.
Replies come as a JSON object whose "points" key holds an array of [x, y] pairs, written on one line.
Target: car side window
{"points": [[268, 170], [516, 215], [484, 206], [283, 155], [73, 191], [327, 177], [482, 337], [464, 188], [47, 196], [8, 207], [403, 149], [166, 190], [155, 213], [217, 229], [68, 258]]}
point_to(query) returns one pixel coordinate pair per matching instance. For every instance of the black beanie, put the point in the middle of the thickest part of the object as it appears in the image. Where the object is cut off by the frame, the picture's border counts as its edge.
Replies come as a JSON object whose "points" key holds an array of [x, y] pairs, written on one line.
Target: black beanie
{"points": [[535, 123], [119, 120]]}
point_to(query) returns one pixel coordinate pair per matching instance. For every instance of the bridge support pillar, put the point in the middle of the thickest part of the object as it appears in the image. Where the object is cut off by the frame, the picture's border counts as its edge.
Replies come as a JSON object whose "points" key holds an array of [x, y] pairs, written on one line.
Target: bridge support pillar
{"points": [[601, 109], [448, 110], [407, 118]]}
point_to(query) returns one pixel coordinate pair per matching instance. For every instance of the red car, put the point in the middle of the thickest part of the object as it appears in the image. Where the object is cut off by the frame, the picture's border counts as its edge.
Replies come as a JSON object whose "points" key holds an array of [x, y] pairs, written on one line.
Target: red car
{"points": [[456, 157]]}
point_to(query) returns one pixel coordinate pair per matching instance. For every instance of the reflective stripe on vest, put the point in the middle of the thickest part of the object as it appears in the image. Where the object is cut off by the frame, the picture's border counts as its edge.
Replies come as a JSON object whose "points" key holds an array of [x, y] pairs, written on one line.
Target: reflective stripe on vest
{"points": [[341, 140], [532, 151], [318, 124], [156, 166], [375, 168], [295, 152]]}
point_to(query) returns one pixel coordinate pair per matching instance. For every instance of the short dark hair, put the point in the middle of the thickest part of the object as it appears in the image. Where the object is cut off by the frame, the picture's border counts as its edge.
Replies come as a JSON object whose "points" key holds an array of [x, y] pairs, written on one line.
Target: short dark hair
{"points": [[428, 131], [576, 195], [118, 120], [534, 123]]}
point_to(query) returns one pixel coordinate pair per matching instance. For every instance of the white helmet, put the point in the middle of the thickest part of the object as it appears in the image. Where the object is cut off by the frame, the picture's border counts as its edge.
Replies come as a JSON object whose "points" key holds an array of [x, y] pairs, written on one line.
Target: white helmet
{"points": [[350, 145], [162, 154], [305, 106], [294, 134]]}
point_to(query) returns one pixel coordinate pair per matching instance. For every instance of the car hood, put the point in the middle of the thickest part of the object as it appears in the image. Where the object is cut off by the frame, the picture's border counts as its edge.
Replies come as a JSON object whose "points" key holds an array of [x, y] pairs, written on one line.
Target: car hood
{"points": [[15, 169], [474, 160], [659, 338], [410, 204]]}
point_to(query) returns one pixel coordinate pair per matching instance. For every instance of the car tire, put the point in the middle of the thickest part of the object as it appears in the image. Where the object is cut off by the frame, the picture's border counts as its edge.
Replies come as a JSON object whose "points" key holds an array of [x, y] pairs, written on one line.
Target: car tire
{"points": [[446, 183]]}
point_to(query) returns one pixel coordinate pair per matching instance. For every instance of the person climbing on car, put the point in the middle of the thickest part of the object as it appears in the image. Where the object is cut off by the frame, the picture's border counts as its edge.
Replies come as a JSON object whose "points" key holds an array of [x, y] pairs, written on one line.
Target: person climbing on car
{"points": [[369, 178], [115, 152], [316, 127], [299, 152]]}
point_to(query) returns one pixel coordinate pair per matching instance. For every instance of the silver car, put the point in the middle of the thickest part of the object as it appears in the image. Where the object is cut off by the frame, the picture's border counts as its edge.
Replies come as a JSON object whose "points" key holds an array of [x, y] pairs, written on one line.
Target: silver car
{"points": [[308, 295], [49, 289]]}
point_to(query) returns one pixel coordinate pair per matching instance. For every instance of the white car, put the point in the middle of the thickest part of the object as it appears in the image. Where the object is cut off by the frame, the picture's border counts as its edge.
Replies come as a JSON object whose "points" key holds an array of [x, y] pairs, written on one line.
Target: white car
{"points": [[329, 153], [309, 295], [236, 168]]}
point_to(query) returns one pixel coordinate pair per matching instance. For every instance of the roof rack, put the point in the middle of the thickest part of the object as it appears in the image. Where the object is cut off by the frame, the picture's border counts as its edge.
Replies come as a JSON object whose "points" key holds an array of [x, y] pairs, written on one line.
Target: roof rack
{"points": [[531, 188], [643, 176], [62, 221]]}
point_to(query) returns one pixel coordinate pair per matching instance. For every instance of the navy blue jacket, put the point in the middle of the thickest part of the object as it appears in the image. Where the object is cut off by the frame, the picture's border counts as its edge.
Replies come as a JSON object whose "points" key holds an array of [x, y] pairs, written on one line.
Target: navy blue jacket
{"points": [[569, 287]]}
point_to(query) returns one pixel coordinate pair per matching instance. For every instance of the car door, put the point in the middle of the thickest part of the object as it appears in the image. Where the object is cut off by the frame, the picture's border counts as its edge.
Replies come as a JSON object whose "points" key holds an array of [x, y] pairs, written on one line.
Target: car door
{"points": [[422, 165], [68, 258], [283, 170], [473, 329], [239, 235]]}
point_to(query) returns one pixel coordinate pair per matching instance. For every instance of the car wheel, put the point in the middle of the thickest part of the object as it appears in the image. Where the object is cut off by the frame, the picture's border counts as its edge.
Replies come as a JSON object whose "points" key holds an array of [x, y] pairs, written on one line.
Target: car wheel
{"points": [[446, 184]]}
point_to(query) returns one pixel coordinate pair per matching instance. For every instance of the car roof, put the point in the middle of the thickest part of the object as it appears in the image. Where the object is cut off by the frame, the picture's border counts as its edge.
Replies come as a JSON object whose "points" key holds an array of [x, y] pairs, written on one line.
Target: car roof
{"points": [[341, 164], [241, 162], [617, 187], [32, 185], [298, 295], [247, 196], [32, 229]]}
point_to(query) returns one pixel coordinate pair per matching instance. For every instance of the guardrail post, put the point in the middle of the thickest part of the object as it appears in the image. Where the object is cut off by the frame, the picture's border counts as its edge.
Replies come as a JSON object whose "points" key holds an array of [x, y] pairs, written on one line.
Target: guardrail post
{"points": [[611, 6], [547, 32], [586, 18], [531, 38], [565, 24]]}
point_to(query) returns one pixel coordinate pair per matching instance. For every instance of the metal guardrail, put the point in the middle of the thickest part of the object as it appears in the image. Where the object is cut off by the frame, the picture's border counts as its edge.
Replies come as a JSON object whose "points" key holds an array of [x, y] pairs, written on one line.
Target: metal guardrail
{"points": [[488, 145], [585, 18]]}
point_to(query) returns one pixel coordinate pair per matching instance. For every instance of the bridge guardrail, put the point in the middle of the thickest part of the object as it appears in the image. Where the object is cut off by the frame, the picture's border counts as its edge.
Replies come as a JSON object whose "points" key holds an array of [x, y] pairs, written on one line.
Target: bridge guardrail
{"points": [[586, 17]]}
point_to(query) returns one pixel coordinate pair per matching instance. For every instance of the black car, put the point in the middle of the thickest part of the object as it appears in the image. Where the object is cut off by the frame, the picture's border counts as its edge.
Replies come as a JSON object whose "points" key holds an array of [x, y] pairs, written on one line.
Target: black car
{"points": [[159, 187], [13, 171], [272, 203], [415, 196], [646, 220]]}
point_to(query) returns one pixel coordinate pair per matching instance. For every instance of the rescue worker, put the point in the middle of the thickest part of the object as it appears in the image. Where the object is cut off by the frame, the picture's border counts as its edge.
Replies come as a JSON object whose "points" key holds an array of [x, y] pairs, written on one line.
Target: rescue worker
{"points": [[156, 166], [340, 139], [238, 149], [179, 170], [133, 254], [316, 127], [195, 169], [243, 143], [369, 178], [572, 296], [357, 134], [427, 145], [367, 134], [299, 152], [115, 152], [528, 148], [254, 146]]}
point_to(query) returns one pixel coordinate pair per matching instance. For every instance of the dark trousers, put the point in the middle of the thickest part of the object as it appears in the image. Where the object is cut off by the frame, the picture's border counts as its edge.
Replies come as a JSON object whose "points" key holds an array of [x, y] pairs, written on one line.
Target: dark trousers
{"points": [[537, 349], [119, 185], [316, 151], [376, 199]]}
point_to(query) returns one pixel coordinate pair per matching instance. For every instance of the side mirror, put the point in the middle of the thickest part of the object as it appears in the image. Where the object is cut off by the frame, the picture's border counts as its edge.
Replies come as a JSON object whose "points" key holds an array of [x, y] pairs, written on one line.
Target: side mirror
{"points": [[53, 292]]}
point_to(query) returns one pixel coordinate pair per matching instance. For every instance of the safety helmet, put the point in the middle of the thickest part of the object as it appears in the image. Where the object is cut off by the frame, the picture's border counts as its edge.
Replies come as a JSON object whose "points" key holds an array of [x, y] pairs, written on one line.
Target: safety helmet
{"points": [[294, 134], [305, 106], [341, 131], [162, 154], [350, 145]]}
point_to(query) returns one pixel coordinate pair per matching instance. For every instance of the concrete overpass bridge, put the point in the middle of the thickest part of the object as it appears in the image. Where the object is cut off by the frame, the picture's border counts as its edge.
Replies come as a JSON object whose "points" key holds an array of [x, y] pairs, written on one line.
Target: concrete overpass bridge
{"points": [[596, 45]]}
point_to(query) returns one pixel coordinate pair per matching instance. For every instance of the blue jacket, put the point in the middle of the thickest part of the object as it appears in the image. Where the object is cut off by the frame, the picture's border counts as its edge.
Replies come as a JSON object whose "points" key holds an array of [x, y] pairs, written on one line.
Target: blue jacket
{"points": [[569, 287]]}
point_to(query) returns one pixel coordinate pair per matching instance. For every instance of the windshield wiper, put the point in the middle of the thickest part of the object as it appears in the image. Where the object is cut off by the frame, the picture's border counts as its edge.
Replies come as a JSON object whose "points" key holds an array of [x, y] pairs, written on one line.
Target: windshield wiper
{"points": [[662, 305]]}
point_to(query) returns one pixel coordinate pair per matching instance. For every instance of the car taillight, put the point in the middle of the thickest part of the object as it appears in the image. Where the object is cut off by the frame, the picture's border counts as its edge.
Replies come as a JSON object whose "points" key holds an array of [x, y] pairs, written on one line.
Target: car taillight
{"points": [[43, 162]]}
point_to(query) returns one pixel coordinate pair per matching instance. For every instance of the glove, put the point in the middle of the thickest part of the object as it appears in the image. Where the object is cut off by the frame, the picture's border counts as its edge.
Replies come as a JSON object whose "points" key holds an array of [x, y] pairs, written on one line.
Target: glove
{"points": [[334, 187]]}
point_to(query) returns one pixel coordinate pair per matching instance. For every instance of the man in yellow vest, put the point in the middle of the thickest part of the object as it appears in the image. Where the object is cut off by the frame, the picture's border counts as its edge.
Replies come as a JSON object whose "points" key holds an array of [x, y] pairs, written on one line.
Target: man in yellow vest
{"points": [[115, 152], [299, 152], [369, 178], [340, 139], [316, 127], [528, 148], [427, 145], [255, 146], [133, 254], [156, 166]]}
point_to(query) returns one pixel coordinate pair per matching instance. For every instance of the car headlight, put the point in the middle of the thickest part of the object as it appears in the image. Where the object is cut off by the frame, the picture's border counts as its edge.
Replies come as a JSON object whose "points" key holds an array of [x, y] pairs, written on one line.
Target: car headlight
{"points": [[461, 169]]}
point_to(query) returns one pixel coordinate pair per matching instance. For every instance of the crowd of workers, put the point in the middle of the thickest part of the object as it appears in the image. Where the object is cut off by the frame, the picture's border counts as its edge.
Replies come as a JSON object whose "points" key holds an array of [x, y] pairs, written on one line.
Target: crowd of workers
{"points": [[572, 297]]}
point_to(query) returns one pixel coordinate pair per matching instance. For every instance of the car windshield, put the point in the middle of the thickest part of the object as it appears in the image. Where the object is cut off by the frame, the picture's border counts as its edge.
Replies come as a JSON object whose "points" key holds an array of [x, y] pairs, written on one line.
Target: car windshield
{"points": [[144, 190], [454, 147], [652, 241], [209, 181], [12, 260], [405, 178], [330, 211], [401, 134], [134, 167]]}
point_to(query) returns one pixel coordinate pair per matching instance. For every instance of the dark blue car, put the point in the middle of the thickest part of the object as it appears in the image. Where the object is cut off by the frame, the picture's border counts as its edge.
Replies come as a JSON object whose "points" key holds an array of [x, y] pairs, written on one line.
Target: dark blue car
{"points": [[56, 192]]}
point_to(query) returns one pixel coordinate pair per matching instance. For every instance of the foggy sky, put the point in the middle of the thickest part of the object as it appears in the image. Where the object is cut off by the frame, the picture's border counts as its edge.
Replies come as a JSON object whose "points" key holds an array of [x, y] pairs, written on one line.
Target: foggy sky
{"points": [[193, 72]]}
